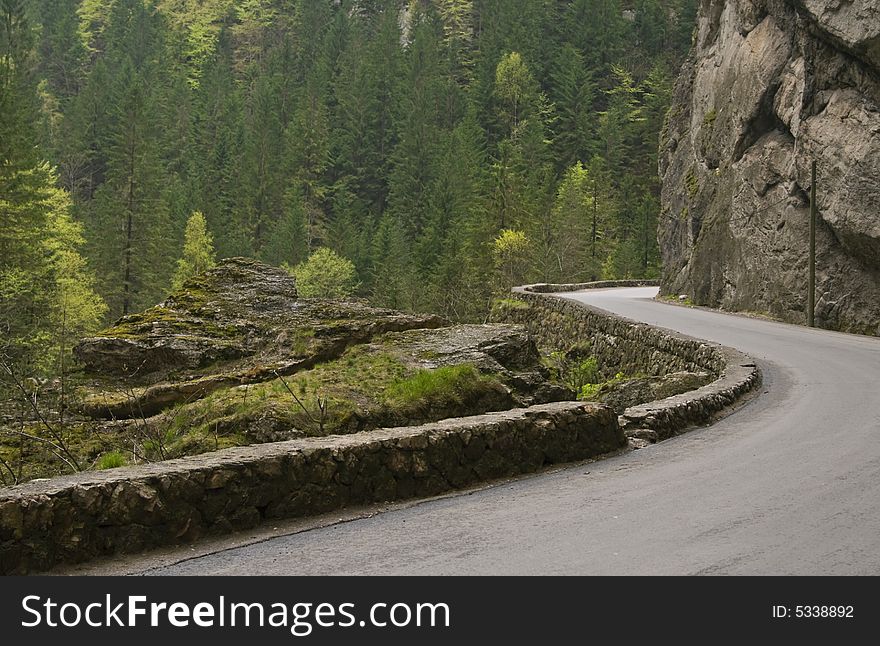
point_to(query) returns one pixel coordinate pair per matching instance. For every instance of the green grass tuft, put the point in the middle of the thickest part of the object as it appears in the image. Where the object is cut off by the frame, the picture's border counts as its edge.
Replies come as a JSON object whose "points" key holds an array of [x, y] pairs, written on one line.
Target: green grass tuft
{"points": [[111, 460], [446, 384]]}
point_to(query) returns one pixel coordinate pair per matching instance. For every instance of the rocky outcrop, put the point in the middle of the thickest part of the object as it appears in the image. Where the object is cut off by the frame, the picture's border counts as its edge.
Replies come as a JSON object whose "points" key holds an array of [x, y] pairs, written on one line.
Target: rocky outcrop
{"points": [[769, 86], [240, 323], [211, 362], [241, 317]]}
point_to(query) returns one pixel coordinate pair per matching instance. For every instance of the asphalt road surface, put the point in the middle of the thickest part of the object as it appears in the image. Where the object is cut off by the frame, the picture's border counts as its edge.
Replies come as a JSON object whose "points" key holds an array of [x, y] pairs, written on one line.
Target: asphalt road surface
{"points": [[789, 484]]}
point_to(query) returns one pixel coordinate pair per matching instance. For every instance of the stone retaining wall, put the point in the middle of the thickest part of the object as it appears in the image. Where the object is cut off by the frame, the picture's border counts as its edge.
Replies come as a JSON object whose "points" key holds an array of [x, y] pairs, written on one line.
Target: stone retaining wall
{"points": [[75, 518], [620, 344]]}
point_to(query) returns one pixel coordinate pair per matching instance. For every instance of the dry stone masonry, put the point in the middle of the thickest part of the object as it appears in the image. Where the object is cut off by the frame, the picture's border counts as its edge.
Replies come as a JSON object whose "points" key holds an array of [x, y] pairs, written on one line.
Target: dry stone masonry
{"points": [[75, 518], [622, 345]]}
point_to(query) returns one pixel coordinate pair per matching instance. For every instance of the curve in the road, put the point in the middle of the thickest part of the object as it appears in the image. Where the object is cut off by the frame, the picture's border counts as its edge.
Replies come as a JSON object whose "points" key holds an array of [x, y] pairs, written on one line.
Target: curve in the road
{"points": [[790, 484]]}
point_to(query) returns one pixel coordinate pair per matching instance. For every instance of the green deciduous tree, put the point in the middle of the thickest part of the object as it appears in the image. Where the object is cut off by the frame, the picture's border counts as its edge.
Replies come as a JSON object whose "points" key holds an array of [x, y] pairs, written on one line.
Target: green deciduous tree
{"points": [[325, 275], [511, 250]]}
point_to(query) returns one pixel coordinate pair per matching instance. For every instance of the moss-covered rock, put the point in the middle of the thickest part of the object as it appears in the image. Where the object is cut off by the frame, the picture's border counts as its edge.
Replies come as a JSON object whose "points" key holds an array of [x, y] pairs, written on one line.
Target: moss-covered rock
{"points": [[238, 323], [622, 393]]}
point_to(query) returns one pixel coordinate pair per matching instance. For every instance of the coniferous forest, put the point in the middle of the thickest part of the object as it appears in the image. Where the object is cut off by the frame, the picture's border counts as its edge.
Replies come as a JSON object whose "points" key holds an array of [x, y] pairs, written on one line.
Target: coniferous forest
{"points": [[425, 154]]}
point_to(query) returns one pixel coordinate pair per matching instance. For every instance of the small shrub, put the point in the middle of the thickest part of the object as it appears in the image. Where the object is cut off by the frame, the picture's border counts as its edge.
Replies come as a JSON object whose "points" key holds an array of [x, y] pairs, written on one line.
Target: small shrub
{"points": [[510, 251], [590, 391], [583, 373], [572, 369], [325, 275]]}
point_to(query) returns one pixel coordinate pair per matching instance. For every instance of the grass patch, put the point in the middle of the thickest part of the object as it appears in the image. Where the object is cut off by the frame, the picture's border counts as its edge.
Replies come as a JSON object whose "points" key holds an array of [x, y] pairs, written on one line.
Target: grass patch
{"points": [[503, 304], [591, 391], [449, 384], [111, 460]]}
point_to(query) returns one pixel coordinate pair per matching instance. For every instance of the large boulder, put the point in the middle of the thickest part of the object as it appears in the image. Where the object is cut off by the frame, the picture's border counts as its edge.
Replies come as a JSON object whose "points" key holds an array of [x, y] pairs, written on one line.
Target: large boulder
{"points": [[770, 86]]}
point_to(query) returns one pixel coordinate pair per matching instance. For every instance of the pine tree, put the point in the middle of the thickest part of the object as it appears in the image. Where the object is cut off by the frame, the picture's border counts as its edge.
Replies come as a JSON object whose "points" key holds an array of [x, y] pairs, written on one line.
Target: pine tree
{"points": [[308, 159], [198, 251], [617, 124], [458, 37], [261, 200], [393, 279], [216, 152], [129, 215], [365, 93], [414, 159], [572, 93], [563, 253]]}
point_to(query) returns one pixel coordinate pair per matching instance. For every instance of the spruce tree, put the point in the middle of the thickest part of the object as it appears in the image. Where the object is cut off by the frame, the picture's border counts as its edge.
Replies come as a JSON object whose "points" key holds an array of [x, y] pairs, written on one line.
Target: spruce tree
{"points": [[129, 216], [198, 251]]}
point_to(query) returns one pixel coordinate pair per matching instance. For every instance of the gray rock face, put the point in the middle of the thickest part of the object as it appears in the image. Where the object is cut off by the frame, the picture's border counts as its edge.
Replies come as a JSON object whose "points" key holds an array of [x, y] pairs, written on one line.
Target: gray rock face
{"points": [[769, 86]]}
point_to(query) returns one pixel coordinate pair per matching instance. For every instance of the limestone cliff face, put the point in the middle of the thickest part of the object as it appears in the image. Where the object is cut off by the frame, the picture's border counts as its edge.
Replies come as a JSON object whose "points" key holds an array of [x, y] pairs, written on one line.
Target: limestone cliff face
{"points": [[769, 86]]}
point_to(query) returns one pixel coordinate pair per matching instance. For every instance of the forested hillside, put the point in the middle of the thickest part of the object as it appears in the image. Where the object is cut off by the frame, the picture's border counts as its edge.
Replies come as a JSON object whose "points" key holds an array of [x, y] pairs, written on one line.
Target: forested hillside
{"points": [[447, 148]]}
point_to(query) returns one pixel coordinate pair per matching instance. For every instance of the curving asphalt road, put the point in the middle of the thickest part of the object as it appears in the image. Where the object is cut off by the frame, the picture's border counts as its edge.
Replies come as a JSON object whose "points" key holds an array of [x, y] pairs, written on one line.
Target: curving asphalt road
{"points": [[790, 484]]}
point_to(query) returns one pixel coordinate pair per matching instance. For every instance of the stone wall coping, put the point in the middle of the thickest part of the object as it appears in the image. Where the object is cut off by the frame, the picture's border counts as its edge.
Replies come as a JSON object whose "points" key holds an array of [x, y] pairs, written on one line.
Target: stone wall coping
{"points": [[555, 288]]}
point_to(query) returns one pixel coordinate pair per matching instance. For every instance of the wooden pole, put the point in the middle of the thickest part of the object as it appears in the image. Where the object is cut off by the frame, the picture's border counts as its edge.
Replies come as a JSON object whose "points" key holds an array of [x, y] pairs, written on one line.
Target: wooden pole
{"points": [[595, 217], [811, 296]]}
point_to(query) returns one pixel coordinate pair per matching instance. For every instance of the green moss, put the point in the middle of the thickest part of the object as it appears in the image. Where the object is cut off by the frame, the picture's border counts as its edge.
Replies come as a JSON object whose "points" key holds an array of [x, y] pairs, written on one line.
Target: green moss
{"points": [[502, 304], [709, 118], [169, 321]]}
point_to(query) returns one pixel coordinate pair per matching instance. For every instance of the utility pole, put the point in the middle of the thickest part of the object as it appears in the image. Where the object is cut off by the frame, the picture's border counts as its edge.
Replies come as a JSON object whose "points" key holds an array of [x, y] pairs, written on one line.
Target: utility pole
{"points": [[595, 217], [811, 296]]}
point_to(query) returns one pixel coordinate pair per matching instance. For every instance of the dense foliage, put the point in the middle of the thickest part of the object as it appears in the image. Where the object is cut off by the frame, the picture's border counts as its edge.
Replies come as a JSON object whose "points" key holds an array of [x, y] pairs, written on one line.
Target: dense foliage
{"points": [[445, 147]]}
